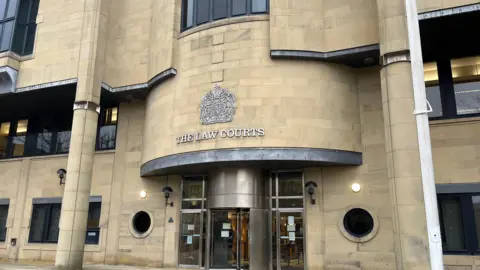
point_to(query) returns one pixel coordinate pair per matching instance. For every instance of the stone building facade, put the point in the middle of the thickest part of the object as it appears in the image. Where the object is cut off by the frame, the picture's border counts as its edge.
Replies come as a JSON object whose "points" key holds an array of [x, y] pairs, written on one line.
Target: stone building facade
{"points": [[235, 134]]}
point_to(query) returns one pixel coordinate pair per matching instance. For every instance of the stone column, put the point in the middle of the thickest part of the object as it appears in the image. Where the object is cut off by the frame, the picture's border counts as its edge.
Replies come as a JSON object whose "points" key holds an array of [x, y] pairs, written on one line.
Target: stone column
{"points": [[73, 221], [403, 159]]}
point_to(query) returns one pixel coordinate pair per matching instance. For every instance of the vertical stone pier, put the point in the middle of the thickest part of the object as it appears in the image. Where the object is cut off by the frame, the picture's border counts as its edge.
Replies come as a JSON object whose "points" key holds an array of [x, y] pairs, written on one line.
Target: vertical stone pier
{"points": [[403, 159], [75, 203]]}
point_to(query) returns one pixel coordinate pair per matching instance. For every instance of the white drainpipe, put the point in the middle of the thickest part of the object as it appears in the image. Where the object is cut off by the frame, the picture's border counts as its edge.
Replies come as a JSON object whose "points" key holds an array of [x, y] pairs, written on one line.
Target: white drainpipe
{"points": [[423, 130]]}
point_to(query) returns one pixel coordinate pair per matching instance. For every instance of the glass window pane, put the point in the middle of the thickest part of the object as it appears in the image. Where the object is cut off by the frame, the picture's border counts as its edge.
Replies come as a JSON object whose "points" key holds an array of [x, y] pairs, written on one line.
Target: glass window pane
{"points": [[3, 8], [239, 7], [291, 241], [30, 39], [259, 6], [44, 142], [94, 210], [452, 224], [430, 72], [3, 221], [467, 97], [190, 240], [54, 222], [192, 188], [22, 127], [290, 203], [39, 213], [18, 38], [33, 11], [18, 146], [106, 137], [12, 8], [203, 11], [290, 184], [23, 11], [7, 35], [219, 9], [187, 13], [4, 131], [63, 141], [433, 97], [476, 209], [197, 204]]}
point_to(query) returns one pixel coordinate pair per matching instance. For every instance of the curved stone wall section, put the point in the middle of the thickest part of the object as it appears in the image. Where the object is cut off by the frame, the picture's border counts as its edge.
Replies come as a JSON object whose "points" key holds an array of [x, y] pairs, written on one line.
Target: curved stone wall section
{"points": [[298, 103]]}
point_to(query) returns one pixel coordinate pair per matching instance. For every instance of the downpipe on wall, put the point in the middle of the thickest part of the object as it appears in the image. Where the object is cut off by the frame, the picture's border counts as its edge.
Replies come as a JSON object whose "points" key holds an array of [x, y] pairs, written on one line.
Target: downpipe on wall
{"points": [[424, 143]]}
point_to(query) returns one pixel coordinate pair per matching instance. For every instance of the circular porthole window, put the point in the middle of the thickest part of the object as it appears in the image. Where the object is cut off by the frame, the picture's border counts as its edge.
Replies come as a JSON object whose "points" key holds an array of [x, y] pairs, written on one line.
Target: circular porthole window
{"points": [[358, 225], [141, 224]]}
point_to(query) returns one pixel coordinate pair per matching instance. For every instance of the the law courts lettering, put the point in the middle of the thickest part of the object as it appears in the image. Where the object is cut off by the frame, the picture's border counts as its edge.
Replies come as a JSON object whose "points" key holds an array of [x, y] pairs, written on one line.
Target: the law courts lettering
{"points": [[224, 133]]}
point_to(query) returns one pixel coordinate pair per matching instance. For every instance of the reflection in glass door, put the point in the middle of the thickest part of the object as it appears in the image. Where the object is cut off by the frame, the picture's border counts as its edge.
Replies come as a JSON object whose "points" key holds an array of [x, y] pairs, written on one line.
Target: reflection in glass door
{"points": [[229, 239], [291, 241]]}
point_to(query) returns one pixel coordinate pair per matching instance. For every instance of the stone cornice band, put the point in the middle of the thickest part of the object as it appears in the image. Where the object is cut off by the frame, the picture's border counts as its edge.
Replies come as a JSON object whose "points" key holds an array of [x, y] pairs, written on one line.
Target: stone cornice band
{"points": [[202, 161]]}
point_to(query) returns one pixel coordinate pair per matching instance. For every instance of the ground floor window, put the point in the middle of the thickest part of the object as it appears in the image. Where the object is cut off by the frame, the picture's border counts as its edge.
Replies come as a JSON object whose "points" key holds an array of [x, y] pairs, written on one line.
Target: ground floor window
{"points": [[45, 221], [460, 223], [3, 221]]}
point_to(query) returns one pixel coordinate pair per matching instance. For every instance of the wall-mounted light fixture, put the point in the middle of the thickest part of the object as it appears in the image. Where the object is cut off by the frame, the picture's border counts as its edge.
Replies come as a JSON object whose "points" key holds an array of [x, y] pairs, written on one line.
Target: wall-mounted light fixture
{"points": [[356, 187], [143, 194], [61, 174], [311, 186], [166, 191]]}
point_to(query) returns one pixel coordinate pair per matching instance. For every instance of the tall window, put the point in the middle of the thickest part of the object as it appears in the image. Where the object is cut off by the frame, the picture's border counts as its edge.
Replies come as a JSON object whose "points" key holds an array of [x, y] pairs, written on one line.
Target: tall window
{"points": [[107, 129], [197, 12], [460, 223], [453, 87], [44, 226], [287, 219], [17, 29], [193, 223], [3, 221], [45, 221]]}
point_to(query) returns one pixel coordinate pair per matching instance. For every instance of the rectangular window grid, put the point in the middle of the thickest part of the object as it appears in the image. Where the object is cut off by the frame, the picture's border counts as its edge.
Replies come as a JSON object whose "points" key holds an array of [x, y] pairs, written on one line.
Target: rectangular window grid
{"points": [[45, 222], [197, 12], [459, 216]]}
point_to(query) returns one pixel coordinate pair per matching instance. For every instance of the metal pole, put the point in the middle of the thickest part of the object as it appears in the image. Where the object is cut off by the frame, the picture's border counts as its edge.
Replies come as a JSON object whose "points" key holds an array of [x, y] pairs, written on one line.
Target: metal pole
{"points": [[423, 130]]}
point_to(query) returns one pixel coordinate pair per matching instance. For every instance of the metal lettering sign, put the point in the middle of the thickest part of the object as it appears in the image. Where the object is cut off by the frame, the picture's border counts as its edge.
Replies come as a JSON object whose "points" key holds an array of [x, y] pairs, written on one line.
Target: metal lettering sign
{"points": [[217, 106]]}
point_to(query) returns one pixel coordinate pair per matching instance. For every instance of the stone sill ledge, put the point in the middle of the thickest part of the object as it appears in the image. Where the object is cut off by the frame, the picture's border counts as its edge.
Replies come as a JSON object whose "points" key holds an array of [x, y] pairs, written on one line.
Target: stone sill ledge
{"points": [[222, 22], [53, 247], [456, 121], [15, 56]]}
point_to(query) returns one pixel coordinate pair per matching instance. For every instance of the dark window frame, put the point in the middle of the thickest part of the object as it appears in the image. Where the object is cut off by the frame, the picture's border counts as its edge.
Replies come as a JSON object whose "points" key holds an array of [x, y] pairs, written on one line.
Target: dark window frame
{"points": [[468, 219], [229, 14], [46, 222], [5, 21], [446, 84], [4, 234], [102, 124], [28, 24]]}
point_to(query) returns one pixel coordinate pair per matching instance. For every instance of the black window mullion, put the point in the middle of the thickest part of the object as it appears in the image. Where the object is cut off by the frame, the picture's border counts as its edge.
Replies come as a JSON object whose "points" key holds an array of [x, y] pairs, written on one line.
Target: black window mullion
{"points": [[194, 17], [210, 8], [469, 223], [447, 92]]}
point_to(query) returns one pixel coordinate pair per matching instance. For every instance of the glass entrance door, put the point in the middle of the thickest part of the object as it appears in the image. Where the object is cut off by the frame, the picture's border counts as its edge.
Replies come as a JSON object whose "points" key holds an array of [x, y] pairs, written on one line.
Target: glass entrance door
{"points": [[229, 239]]}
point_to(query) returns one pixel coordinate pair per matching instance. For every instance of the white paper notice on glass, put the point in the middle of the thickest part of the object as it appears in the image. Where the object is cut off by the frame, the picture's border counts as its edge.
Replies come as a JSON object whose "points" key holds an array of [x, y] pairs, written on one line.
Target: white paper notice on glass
{"points": [[291, 220], [291, 228], [227, 226], [189, 239], [225, 234], [291, 236], [191, 227]]}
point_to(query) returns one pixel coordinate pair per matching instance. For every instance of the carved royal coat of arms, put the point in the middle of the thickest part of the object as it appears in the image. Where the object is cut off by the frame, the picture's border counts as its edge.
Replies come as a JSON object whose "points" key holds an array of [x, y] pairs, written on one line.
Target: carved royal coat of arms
{"points": [[217, 106]]}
